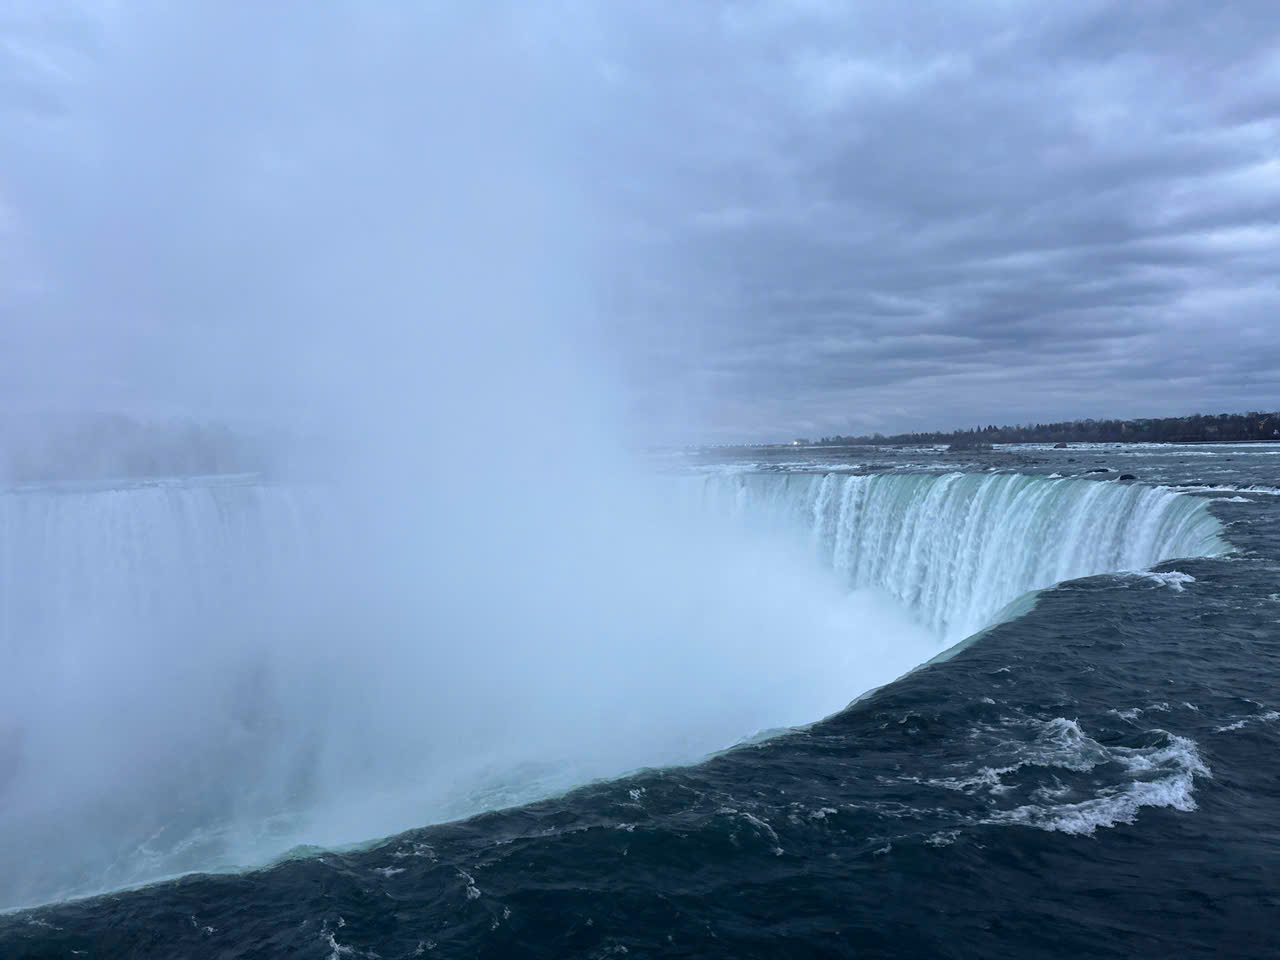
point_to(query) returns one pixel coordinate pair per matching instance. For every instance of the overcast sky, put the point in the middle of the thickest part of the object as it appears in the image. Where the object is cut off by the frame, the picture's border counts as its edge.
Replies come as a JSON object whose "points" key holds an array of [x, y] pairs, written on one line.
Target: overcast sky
{"points": [[787, 217]]}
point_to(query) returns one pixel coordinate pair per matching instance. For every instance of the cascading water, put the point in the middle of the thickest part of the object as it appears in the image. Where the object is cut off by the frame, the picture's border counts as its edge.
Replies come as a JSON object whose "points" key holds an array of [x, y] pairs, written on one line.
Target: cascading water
{"points": [[132, 620], [206, 673], [957, 548], [71, 559]]}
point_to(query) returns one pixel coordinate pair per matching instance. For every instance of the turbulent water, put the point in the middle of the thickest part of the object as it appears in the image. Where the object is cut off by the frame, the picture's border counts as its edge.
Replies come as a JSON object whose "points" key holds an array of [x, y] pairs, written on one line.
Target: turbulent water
{"points": [[1090, 776]]}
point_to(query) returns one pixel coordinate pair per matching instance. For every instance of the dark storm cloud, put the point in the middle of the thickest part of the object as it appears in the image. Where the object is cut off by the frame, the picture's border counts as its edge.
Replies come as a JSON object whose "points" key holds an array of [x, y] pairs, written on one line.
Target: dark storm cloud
{"points": [[964, 213], [817, 217]]}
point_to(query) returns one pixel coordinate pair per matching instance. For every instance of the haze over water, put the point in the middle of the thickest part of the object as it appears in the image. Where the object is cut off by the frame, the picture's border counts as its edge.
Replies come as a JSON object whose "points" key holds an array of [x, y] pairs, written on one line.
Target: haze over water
{"points": [[333, 584]]}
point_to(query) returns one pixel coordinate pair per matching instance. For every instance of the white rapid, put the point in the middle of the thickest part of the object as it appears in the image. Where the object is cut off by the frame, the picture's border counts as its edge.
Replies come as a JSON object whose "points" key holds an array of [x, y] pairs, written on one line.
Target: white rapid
{"points": [[957, 548]]}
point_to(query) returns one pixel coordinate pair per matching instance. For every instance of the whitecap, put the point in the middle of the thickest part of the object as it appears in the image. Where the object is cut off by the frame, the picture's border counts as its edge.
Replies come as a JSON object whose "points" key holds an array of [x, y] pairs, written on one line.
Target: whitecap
{"points": [[1175, 580], [1176, 764], [473, 892], [943, 838]]}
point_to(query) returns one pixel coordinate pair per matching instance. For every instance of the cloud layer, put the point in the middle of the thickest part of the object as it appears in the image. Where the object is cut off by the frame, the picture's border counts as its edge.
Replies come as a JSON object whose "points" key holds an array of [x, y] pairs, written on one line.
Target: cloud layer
{"points": [[790, 218]]}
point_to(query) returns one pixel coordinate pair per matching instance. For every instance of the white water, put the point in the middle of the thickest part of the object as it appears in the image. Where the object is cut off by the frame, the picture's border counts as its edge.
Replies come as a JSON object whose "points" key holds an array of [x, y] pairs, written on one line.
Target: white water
{"points": [[1160, 775], [73, 562], [956, 549], [132, 624], [208, 673]]}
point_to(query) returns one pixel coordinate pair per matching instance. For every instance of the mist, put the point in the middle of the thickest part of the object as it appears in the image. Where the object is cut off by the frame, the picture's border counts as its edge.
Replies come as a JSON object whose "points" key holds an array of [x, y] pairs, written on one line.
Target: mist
{"points": [[394, 233]]}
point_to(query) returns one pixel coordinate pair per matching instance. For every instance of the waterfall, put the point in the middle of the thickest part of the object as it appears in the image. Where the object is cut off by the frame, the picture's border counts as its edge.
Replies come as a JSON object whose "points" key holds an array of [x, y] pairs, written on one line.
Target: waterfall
{"points": [[957, 548], [136, 701], [73, 561], [204, 673]]}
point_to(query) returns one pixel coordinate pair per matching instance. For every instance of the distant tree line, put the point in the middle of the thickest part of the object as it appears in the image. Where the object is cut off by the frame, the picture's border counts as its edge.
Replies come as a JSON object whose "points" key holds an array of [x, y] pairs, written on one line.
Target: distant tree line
{"points": [[1200, 428]]}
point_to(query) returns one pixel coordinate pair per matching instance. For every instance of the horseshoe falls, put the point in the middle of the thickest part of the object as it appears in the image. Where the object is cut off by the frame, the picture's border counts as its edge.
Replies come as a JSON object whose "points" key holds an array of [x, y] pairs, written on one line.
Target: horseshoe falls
{"points": [[72, 560], [956, 548], [204, 682]]}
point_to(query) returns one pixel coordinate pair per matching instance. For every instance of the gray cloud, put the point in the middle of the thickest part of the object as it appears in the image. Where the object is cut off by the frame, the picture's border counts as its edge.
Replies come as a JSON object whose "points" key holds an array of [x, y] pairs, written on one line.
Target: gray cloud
{"points": [[1001, 212], [805, 217]]}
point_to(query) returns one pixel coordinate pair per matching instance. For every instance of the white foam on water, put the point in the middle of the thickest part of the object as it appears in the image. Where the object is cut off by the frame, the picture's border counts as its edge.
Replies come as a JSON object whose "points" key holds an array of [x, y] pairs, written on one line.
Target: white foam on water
{"points": [[339, 950], [471, 890], [1224, 488], [1267, 716], [943, 838], [1163, 776], [1149, 449], [1175, 580], [1058, 743], [1120, 807], [1125, 779]]}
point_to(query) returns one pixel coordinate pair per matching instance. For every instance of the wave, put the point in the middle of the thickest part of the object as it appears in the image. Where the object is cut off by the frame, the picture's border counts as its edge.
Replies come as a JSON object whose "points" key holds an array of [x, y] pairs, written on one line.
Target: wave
{"points": [[1111, 783]]}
